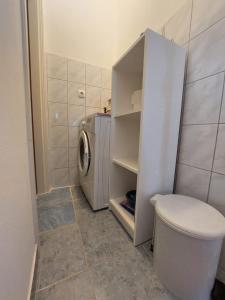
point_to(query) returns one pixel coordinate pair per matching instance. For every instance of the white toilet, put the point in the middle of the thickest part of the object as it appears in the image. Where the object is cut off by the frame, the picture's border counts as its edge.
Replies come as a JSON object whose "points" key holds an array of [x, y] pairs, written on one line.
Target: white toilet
{"points": [[187, 245]]}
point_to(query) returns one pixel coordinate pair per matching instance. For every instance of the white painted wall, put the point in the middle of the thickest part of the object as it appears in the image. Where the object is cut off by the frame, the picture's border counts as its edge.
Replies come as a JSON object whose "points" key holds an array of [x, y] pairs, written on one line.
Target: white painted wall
{"points": [[98, 31], [134, 16], [17, 241], [81, 29]]}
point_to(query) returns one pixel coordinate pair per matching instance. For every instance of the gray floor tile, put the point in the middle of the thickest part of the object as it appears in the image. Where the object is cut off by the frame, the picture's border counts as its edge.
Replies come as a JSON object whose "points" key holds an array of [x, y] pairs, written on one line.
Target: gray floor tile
{"points": [[55, 197], [98, 231], [135, 258], [77, 192], [103, 223], [79, 200], [97, 250], [61, 255], [53, 217], [120, 280], [92, 232], [76, 288], [165, 296], [81, 203]]}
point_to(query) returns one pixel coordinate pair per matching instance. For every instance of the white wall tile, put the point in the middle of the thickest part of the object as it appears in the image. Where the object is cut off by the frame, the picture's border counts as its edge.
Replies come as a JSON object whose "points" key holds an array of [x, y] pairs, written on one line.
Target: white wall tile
{"points": [[58, 136], [60, 177], [192, 182], [64, 133], [73, 93], [217, 192], [197, 145], [76, 114], [105, 96], [74, 176], [73, 136], [73, 163], [76, 71], [73, 156], [57, 90], [92, 110], [58, 158], [222, 115], [106, 76], [93, 96], [202, 100], [57, 66], [178, 27], [93, 75], [206, 53], [58, 114], [219, 161], [206, 13]]}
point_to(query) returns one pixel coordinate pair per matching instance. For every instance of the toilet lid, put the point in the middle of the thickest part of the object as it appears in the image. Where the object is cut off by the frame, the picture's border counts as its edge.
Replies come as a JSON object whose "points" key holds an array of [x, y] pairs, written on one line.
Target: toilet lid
{"points": [[191, 216]]}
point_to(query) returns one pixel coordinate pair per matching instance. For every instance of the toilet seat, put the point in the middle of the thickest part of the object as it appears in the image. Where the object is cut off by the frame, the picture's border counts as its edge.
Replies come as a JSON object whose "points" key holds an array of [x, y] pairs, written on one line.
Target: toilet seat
{"points": [[190, 216]]}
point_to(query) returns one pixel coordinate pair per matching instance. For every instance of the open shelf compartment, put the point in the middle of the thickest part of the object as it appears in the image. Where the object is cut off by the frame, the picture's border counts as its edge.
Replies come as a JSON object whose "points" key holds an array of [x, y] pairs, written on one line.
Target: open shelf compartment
{"points": [[130, 164], [122, 181], [125, 141], [128, 78]]}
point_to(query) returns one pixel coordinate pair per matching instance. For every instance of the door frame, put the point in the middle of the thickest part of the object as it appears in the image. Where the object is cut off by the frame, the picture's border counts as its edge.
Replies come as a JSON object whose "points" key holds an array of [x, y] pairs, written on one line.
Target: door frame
{"points": [[38, 90]]}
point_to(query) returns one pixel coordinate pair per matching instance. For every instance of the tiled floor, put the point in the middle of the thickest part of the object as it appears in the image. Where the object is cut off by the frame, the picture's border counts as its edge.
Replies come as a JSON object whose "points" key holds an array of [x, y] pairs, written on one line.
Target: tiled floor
{"points": [[88, 256]]}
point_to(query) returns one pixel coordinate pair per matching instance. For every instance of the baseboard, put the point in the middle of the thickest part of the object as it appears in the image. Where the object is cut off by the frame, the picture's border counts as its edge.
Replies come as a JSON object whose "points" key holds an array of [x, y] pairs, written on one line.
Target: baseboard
{"points": [[32, 272]]}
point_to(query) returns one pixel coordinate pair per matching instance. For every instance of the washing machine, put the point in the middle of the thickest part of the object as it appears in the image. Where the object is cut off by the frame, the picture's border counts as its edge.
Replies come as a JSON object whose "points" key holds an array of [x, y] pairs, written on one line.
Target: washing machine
{"points": [[94, 159]]}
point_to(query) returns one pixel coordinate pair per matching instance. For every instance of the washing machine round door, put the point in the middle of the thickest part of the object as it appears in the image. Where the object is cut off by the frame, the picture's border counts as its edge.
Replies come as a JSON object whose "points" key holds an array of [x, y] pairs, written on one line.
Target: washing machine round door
{"points": [[84, 153]]}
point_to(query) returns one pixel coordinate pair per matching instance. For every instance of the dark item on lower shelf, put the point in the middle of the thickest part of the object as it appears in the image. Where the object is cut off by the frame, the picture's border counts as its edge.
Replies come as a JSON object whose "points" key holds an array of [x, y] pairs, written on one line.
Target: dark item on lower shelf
{"points": [[152, 247], [131, 198], [218, 292], [125, 204]]}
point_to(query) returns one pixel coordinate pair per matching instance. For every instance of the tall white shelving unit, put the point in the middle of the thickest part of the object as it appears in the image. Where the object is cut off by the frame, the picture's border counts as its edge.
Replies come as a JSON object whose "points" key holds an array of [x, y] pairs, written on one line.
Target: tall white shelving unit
{"points": [[144, 143]]}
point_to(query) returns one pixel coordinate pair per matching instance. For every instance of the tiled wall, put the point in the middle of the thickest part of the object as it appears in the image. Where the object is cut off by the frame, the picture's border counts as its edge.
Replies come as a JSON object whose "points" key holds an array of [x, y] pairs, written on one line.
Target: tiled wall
{"points": [[200, 27], [66, 109]]}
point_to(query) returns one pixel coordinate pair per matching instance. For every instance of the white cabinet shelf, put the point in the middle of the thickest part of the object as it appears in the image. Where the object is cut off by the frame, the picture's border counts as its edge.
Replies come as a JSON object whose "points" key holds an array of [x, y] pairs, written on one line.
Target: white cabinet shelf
{"points": [[126, 218], [144, 143], [127, 163], [128, 114]]}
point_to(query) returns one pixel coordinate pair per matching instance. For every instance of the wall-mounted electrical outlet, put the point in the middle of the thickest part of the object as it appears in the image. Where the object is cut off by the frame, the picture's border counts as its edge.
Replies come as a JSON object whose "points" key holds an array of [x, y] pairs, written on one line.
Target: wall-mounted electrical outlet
{"points": [[81, 93]]}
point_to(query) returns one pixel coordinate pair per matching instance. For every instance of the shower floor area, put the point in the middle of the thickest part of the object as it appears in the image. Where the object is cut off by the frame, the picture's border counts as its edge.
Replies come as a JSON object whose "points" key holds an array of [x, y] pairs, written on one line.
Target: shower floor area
{"points": [[86, 255]]}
